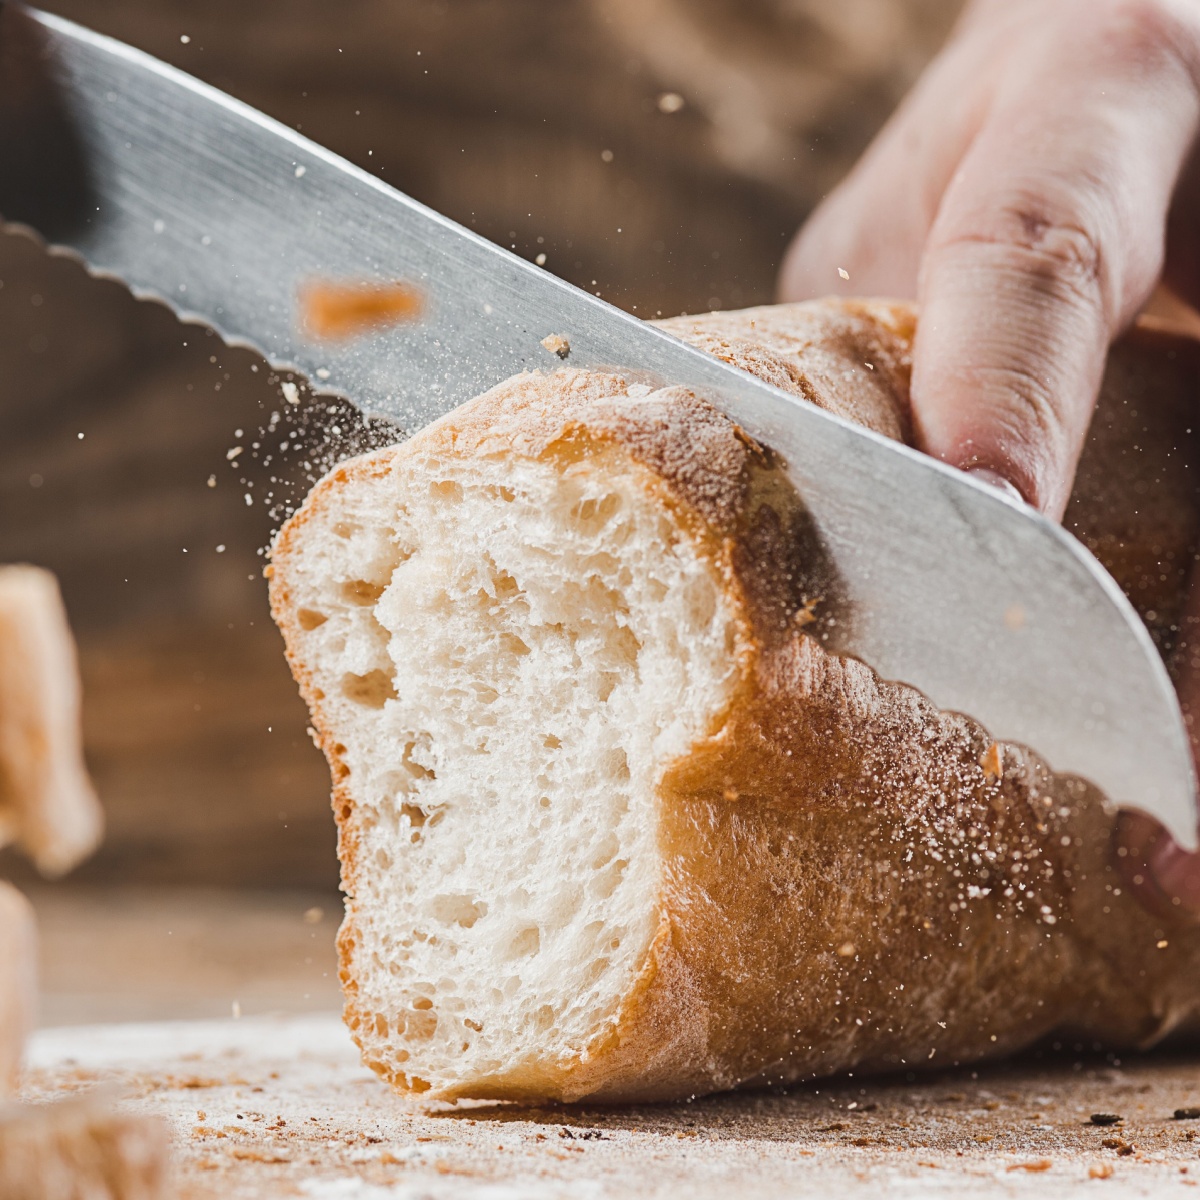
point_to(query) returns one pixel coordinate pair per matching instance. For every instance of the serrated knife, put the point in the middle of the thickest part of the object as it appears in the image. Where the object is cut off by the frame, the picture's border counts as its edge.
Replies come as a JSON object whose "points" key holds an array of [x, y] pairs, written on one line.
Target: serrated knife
{"points": [[195, 199]]}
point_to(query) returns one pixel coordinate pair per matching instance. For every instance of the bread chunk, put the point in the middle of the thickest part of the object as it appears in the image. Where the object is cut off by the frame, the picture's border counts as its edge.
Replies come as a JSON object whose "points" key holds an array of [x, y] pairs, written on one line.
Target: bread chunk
{"points": [[47, 804], [18, 982], [82, 1148], [613, 821]]}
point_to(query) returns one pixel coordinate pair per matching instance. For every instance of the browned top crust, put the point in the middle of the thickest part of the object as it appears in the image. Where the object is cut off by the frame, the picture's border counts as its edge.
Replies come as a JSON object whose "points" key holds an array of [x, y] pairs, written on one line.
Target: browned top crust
{"points": [[1136, 499], [852, 358]]}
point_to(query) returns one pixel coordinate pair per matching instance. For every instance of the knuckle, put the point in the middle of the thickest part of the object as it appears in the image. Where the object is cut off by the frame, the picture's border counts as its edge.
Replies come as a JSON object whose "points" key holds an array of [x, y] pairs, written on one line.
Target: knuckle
{"points": [[1066, 254], [1139, 23], [1145, 33], [1061, 257]]}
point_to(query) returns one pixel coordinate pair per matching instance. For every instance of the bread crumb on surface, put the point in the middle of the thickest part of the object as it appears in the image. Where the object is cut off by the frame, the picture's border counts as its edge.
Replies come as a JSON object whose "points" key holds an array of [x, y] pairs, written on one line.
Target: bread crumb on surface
{"points": [[557, 344]]}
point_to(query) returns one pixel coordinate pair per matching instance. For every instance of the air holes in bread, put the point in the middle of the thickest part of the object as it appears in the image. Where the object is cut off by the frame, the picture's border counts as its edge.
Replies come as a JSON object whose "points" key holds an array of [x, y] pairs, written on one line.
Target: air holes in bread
{"points": [[372, 690], [309, 619]]}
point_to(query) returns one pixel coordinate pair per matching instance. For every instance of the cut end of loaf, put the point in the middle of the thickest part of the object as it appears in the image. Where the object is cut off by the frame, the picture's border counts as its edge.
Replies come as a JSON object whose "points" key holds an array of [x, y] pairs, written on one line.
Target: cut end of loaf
{"points": [[506, 635]]}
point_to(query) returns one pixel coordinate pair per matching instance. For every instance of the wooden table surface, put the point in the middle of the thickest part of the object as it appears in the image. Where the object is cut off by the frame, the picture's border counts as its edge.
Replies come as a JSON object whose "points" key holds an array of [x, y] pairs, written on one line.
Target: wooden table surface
{"points": [[276, 1104], [280, 1107]]}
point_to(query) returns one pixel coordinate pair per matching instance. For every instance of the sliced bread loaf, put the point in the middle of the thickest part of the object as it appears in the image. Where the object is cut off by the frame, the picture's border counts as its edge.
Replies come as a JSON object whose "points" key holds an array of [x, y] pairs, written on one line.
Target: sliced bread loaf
{"points": [[613, 821]]}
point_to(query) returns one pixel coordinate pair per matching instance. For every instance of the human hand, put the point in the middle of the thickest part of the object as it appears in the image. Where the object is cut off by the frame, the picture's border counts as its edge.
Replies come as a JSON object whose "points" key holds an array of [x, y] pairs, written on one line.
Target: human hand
{"points": [[1031, 191]]}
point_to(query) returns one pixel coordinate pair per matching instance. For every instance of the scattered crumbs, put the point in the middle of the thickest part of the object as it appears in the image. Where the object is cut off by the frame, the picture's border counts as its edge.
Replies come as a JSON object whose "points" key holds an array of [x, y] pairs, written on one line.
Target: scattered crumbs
{"points": [[1100, 1171], [541, 259], [557, 344], [1187, 1114], [314, 915], [334, 311], [291, 393], [606, 156], [588, 1135], [322, 372], [843, 273], [1040, 1164], [232, 454], [1102, 1118], [993, 767], [246, 1154], [212, 481], [847, 950], [807, 613], [1119, 1144], [300, 172], [1161, 944], [670, 102]]}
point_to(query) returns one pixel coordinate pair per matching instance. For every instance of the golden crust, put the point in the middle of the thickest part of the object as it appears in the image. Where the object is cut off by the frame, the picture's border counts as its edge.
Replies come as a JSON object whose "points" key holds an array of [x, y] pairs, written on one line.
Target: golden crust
{"points": [[852, 879]]}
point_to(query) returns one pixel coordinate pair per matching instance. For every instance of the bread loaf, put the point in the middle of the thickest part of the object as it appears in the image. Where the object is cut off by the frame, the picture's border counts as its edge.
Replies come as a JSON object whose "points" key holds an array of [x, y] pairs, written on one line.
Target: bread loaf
{"points": [[47, 804], [615, 824]]}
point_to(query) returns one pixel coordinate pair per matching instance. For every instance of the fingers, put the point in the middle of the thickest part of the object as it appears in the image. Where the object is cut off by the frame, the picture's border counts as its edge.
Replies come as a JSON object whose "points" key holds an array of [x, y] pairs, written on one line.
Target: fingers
{"points": [[866, 238], [1164, 877], [1048, 240]]}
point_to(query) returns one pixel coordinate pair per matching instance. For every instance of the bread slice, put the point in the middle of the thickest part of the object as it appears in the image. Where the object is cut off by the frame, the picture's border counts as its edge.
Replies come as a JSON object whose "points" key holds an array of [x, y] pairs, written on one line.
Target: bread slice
{"points": [[82, 1148], [613, 822], [18, 983], [47, 804]]}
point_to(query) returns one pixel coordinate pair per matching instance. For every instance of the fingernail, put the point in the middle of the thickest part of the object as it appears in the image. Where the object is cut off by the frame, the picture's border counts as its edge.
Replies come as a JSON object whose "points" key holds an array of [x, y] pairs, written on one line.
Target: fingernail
{"points": [[995, 480]]}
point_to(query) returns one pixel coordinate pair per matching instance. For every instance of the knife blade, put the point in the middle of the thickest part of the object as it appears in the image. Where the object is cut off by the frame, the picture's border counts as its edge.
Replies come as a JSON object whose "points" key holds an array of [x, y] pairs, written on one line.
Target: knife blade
{"points": [[200, 201]]}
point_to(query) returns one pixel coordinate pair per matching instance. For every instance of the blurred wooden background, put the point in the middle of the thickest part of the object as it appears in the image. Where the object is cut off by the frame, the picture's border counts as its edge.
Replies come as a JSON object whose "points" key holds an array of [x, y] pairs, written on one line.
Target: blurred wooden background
{"points": [[545, 126]]}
